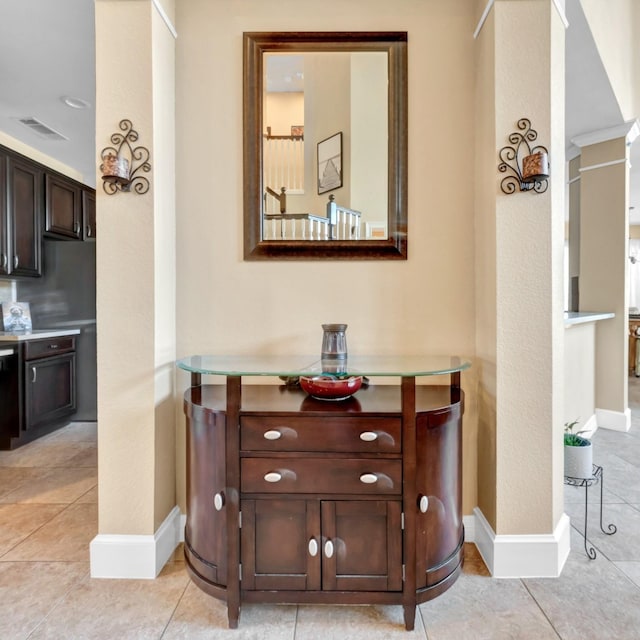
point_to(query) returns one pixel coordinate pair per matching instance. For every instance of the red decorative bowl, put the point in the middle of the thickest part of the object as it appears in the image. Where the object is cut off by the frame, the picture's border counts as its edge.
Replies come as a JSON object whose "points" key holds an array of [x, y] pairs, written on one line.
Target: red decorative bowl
{"points": [[328, 388]]}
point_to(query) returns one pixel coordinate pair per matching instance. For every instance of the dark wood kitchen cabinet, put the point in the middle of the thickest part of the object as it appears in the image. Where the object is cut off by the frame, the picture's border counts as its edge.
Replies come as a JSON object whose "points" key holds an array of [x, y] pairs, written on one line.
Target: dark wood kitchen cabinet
{"points": [[89, 213], [63, 207], [291, 499], [20, 216], [70, 209], [44, 376]]}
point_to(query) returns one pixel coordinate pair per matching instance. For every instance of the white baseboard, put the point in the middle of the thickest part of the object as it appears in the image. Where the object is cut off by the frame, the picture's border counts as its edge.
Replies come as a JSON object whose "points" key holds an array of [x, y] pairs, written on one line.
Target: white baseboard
{"points": [[614, 420], [523, 556], [589, 427], [136, 556], [469, 523], [183, 524]]}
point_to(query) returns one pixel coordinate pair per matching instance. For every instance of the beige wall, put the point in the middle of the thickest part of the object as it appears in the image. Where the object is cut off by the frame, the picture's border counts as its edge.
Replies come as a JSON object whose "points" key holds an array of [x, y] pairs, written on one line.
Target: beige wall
{"points": [[423, 305], [579, 373], [525, 341], [164, 284], [615, 25], [485, 267], [136, 339], [604, 264], [38, 156]]}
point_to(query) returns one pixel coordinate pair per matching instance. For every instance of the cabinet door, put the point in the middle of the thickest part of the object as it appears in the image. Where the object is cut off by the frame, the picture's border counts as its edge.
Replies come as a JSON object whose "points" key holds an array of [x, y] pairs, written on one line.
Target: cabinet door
{"points": [[50, 389], [362, 545], [439, 532], [206, 530], [4, 227], [63, 208], [24, 186], [280, 545], [89, 214]]}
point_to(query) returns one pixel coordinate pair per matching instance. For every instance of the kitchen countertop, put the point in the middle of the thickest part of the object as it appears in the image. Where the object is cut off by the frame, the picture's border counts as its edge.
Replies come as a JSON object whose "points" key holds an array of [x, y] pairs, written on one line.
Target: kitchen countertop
{"points": [[36, 334], [580, 317]]}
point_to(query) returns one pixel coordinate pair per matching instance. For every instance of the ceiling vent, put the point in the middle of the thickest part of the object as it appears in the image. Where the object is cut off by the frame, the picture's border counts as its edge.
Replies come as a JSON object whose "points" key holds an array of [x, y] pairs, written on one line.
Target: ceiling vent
{"points": [[41, 129]]}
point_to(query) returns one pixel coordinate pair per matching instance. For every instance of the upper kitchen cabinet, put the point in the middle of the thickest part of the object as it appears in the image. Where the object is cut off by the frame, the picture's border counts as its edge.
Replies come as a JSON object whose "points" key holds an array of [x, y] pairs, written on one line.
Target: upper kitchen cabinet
{"points": [[89, 213], [63, 208], [20, 216], [69, 209]]}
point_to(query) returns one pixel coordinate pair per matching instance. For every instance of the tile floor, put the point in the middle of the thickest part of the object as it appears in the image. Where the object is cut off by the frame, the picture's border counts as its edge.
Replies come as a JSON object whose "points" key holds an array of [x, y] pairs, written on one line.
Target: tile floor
{"points": [[48, 516]]}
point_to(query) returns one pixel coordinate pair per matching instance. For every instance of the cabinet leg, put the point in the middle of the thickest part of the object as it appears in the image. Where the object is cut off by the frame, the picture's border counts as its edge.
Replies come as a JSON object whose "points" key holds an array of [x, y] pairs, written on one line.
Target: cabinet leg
{"points": [[409, 616], [233, 614]]}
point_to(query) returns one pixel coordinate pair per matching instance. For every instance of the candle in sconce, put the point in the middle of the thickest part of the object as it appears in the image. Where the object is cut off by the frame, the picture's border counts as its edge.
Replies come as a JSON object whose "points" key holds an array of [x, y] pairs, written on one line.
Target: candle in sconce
{"points": [[535, 167], [115, 168]]}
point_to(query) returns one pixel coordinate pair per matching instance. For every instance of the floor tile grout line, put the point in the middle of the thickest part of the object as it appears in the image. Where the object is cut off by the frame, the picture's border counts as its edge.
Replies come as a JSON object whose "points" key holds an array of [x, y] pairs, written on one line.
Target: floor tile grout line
{"points": [[67, 505], [173, 612], [56, 604], [424, 622], [541, 608]]}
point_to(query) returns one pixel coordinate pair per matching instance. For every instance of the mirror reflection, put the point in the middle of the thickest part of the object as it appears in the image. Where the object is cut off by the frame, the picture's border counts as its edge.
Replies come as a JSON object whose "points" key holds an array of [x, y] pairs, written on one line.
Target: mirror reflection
{"points": [[325, 146]]}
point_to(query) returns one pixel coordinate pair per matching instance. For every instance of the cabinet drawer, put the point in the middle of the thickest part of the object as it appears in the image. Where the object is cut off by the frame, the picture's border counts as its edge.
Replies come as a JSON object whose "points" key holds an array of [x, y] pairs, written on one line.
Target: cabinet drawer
{"points": [[334, 434], [50, 347], [321, 475]]}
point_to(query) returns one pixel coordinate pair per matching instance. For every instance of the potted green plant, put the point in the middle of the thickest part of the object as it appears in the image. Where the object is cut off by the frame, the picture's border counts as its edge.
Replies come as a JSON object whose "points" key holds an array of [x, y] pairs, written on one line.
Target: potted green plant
{"points": [[578, 452]]}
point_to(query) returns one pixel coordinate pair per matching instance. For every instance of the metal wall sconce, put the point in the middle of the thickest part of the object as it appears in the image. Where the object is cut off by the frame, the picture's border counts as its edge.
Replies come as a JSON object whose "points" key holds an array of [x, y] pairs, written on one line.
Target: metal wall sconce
{"points": [[121, 162], [530, 165]]}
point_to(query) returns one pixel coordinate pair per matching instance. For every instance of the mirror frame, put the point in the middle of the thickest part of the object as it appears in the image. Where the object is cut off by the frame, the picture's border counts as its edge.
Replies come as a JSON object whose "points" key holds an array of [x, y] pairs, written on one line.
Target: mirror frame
{"points": [[394, 43]]}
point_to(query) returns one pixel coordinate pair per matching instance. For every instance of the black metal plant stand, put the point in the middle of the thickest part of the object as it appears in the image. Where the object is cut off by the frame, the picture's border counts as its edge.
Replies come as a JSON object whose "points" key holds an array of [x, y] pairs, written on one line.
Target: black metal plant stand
{"points": [[597, 476]]}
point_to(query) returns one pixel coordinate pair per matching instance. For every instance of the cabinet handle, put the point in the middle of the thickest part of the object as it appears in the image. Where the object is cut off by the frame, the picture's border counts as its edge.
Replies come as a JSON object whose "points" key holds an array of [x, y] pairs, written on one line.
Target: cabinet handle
{"points": [[273, 476], [34, 374], [88, 231], [76, 227], [423, 504], [4, 260], [218, 501], [272, 434], [313, 547], [54, 346], [369, 478], [16, 261], [328, 549], [368, 436]]}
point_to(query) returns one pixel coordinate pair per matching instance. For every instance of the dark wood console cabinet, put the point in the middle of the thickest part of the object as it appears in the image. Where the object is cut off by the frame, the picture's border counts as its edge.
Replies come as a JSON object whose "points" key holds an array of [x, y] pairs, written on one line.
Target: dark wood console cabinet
{"points": [[42, 376], [296, 500]]}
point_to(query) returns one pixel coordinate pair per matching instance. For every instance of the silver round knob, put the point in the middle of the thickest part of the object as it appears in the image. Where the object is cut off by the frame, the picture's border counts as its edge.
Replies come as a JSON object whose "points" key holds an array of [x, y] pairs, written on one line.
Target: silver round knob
{"points": [[369, 478], [328, 549], [423, 504], [313, 547], [273, 476], [368, 436], [218, 501], [272, 434]]}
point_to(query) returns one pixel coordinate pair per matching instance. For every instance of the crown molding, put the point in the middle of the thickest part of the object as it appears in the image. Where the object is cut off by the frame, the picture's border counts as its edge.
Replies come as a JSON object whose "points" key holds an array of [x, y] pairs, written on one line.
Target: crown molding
{"points": [[628, 130], [485, 14], [483, 18]]}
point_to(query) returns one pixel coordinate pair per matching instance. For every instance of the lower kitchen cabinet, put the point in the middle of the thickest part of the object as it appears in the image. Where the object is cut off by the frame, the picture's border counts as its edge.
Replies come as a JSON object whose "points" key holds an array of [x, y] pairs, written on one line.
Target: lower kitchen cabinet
{"points": [[50, 391], [295, 500], [44, 377]]}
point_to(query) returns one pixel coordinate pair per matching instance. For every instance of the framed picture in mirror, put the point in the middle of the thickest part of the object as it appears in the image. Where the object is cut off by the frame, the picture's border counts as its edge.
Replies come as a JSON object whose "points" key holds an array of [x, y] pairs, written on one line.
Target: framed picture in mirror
{"points": [[330, 163]]}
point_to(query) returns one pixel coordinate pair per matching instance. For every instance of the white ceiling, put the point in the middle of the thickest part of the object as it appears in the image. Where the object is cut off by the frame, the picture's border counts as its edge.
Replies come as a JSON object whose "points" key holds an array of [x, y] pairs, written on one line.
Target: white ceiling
{"points": [[47, 52]]}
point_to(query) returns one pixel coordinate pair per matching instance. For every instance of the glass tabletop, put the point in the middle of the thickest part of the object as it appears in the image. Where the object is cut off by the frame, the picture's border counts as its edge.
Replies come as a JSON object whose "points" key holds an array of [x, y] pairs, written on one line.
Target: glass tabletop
{"points": [[410, 365]]}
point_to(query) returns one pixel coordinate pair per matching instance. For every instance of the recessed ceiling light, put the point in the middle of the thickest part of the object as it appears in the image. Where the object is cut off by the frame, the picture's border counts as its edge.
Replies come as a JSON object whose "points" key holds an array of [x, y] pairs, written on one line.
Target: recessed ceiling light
{"points": [[75, 103]]}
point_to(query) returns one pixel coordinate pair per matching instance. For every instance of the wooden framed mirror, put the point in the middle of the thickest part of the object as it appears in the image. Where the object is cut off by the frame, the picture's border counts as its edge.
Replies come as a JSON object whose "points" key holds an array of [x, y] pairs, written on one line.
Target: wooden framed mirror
{"points": [[325, 145]]}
